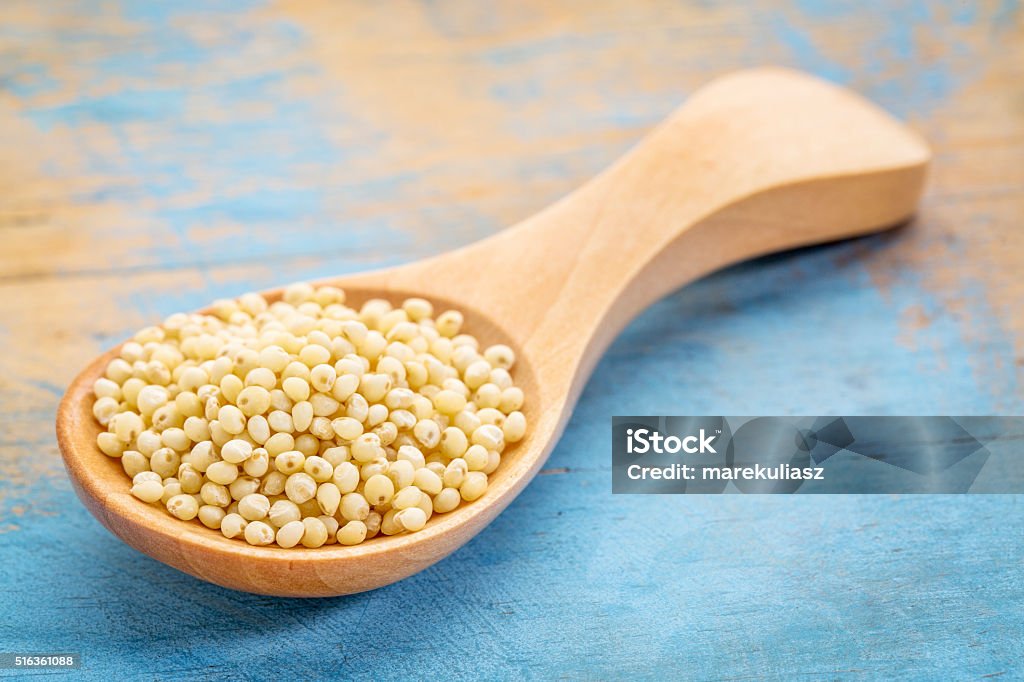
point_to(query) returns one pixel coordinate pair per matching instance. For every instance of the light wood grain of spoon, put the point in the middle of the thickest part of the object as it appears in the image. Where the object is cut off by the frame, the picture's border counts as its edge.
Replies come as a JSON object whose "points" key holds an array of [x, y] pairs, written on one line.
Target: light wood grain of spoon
{"points": [[755, 162]]}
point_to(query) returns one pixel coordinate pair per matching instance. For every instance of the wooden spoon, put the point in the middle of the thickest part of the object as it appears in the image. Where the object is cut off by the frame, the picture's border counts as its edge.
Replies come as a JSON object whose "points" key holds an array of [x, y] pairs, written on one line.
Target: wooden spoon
{"points": [[755, 162]]}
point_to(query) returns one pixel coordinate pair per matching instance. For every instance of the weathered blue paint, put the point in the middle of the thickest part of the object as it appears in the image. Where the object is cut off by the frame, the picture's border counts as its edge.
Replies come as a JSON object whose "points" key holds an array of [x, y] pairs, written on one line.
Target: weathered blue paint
{"points": [[570, 581]]}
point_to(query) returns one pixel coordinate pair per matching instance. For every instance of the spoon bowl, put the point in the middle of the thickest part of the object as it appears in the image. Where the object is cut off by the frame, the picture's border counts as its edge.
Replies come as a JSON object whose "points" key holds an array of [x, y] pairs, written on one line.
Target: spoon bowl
{"points": [[331, 570], [758, 161]]}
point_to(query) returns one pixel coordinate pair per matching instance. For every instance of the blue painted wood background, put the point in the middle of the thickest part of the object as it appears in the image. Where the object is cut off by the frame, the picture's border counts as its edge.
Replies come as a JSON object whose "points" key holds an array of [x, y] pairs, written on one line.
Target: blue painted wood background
{"points": [[154, 156]]}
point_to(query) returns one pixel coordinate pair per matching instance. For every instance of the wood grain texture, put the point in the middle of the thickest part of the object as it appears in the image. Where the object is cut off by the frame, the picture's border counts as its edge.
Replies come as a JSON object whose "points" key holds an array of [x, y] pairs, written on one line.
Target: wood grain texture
{"points": [[142, 141]]}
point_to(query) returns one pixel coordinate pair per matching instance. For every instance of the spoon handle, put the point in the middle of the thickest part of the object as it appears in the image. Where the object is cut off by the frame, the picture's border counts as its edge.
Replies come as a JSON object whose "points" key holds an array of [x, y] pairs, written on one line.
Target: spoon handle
{"points": [[755, 162]]}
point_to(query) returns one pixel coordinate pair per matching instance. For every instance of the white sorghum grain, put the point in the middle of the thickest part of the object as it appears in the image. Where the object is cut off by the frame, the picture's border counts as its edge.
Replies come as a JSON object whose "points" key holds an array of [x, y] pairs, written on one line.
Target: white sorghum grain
{"points": [[328, 497], [401, 472], [347, 428], [488, 395], [500, 356], [427, 481], [254, 507], [514, 427], [148, 491], [455, 473], [473, 485], [411, 518], [255, 399], [490, 436], [319, 468], [373, 521], [346, 477], [490, 415], [428, 433], [134, 462], [447, 500], [449, 402], [315, 533], [378, 489], [412, 454], [366, 448], [290, 534], [258, 463], [354, 507], [201, 456], [352, 533], [258, 429], [380, 466], [406, 497], [233, 525], [332, 524], [453, 442], [290, 462], [104, 409], [242, 486], [273, 483], [309, 422], [476, 457], [389, 525], [231, 419], [171, 488], [449, 323], [183, 506], [493, 461], [302, 415], [296, 388], [511, 399], [110, 444], [211, 516], [222, 472], [259, 533], [236, 451], [146, 476], [214, 494], [467, 421], [284, 511]]}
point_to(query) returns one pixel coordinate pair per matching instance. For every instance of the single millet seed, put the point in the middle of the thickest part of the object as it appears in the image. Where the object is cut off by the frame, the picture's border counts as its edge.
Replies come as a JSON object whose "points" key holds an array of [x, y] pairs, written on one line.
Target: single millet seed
{"points": [[308, 422]]}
